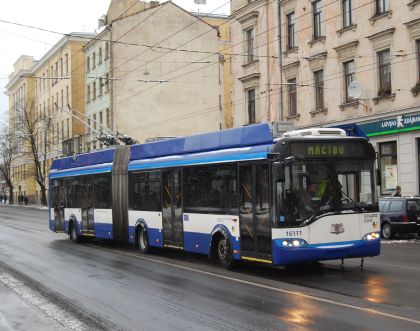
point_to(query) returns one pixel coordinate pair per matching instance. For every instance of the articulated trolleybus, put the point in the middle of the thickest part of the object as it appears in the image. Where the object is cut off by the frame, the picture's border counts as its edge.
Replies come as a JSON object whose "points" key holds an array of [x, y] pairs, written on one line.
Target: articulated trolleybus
{"points": [[236, 194]]}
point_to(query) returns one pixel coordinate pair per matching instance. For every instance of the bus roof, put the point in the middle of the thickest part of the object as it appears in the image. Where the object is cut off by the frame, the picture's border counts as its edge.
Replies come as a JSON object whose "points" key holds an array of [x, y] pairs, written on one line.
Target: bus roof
{"points": [[252, 135]]}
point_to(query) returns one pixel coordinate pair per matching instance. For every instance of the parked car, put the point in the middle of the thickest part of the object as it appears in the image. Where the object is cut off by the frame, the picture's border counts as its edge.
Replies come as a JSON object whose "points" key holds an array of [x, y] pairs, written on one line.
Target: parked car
{"points": [[399, 215]]}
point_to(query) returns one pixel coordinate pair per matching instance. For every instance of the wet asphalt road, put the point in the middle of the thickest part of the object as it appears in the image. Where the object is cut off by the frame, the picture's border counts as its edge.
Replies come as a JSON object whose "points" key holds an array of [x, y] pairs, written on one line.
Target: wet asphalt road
{"points": [[110, 286]]}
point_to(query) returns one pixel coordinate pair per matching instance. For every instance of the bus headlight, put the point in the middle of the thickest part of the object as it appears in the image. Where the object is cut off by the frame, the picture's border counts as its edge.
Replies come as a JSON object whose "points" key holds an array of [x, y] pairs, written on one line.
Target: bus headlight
{"points": [[293, 243], [371, 236]]}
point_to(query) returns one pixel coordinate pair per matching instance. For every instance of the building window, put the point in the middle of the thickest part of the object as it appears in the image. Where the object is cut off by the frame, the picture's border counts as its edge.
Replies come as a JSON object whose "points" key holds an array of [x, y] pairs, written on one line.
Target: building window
{"points": [[61, 68], [67, 95], [292, 96], [384, 68], [347, 6], [291, 32], [68, 128], [88, 94], [317, 17], [319, 89], [100, 86], [88, 64], [107, 82], [93, 60], [250, 45], [251, 106], [107, 117], [106, 50], [67, 63], [101, 120], [100, 55], [389, 166], [94, 121], [94, 90], [349, 76], [382, 6]]}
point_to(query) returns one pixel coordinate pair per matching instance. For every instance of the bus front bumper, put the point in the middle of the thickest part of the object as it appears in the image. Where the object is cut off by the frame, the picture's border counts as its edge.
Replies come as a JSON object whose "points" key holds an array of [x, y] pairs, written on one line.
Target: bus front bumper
{"points": [[321, 252]]}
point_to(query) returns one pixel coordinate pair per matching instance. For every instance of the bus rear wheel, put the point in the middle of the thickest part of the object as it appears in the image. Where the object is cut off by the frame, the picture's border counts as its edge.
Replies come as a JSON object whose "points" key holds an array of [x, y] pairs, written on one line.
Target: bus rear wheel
{"points": [[73, 233], [142, 241], [224, 252]]}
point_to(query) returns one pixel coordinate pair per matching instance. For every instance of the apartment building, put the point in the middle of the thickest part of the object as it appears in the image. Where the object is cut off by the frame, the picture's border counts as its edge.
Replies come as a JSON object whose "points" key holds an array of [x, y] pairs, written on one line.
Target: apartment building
{"points": [[222, 23], [166, 74], [255, 62], [52, 91], [98, 117], [343, 62], [20, 91]]}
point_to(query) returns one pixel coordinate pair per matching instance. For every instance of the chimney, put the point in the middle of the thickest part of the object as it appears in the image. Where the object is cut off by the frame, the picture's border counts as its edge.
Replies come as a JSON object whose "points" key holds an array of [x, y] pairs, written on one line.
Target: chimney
{"points": [[154, 3]]}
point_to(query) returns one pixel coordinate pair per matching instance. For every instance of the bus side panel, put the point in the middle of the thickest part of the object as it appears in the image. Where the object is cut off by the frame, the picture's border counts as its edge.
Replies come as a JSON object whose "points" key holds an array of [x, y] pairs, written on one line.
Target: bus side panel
{"points": [[198, 230], [153, 221], [103, 223], [77, 213]]}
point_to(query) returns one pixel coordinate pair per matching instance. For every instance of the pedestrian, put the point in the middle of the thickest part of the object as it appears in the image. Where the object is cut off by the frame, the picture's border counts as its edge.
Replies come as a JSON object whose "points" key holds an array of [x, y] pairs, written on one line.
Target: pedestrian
{"points": [[397, 191], [25, 198]]}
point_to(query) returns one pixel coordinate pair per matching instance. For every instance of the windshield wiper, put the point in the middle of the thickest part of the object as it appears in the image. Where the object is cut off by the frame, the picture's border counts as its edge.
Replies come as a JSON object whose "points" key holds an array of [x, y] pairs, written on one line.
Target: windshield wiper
{"points": [[352, 201]]}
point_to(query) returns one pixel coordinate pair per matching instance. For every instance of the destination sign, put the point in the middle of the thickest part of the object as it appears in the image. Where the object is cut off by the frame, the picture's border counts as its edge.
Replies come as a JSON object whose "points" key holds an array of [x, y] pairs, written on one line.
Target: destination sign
{"points": [[329, 149]]}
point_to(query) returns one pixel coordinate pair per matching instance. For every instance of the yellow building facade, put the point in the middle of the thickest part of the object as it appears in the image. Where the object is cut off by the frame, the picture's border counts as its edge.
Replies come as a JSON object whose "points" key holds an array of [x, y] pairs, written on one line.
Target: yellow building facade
{"points": [[20, 91], [55, 97]]}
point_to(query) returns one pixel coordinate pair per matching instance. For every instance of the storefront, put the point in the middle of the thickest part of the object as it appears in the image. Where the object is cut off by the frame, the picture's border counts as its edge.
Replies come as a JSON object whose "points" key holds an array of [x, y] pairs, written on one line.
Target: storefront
{"points": [[396, 139]]}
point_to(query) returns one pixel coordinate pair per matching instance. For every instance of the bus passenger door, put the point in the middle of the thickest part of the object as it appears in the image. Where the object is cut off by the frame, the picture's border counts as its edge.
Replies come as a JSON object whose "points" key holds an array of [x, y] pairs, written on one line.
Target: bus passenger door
{"points": [[254, 210], [58, 202], [87, 205], [172, 208]]}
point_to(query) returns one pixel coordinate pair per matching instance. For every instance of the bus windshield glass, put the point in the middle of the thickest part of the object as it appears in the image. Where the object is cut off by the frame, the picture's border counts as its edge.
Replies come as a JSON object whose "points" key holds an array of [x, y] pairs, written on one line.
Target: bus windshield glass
{"points": [[315, 188]]}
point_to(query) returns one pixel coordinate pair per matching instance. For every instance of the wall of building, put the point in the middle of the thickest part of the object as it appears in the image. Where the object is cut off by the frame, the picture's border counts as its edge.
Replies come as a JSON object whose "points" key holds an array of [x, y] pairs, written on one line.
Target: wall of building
{"points": [[98, 105], [261, 73], [161, 91]]}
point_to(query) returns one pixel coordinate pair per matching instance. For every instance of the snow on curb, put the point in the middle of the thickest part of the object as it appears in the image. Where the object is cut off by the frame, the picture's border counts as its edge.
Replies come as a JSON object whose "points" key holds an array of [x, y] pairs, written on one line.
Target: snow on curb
{"points": [[48, 308]]}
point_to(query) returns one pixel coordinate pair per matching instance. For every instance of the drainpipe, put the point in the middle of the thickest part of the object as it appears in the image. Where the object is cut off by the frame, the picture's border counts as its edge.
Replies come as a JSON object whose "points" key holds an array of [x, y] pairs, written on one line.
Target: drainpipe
{"points": [[280, 60]]}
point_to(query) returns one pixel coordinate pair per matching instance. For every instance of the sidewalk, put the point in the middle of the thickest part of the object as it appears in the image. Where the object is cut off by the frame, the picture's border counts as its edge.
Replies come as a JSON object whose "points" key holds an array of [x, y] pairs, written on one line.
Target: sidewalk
{"points": [[16, 314], [25, 206]]}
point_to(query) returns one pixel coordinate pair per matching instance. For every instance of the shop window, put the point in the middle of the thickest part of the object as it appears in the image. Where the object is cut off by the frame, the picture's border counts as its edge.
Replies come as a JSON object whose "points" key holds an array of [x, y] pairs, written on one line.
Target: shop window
{"points": [[389, 166]]}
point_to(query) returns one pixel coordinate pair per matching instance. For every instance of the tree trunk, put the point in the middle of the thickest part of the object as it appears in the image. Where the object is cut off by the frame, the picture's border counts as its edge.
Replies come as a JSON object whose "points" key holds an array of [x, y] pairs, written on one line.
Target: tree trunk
{"points": [[11, 196], [43, 196]]}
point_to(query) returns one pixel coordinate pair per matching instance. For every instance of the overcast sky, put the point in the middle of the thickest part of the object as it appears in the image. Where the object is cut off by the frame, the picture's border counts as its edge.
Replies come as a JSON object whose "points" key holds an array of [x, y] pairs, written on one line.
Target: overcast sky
{"points": [[62, 16]]}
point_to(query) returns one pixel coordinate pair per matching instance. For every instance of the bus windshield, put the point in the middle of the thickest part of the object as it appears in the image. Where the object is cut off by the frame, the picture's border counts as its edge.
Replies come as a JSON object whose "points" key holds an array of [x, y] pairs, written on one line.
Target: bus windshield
{"points": [[315, 188]]}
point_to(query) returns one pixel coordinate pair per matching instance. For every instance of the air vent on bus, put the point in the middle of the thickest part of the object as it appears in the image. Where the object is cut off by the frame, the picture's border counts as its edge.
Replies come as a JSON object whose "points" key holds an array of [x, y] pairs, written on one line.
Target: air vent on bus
{"points": [[315, 132]]}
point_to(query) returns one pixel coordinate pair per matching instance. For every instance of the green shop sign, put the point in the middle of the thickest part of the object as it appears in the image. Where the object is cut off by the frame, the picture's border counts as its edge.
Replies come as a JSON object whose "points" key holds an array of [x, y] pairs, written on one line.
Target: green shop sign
{"points": [[400, 123]]}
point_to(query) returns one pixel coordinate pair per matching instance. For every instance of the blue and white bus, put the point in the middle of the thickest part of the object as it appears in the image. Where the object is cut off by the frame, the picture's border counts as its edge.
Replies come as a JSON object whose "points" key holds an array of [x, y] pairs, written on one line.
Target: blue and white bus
{"points": [[236, 194]]}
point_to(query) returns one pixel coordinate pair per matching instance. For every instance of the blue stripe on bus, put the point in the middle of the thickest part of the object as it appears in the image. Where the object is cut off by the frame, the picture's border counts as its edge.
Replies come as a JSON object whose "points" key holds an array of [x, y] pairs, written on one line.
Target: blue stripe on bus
{"points": [[230, 158], [76, 172]]}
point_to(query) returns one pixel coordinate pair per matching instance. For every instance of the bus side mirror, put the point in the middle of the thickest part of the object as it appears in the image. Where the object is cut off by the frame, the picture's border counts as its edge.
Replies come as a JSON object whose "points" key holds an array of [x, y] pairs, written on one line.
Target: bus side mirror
{"points": [[278, 172], [378, 177]]}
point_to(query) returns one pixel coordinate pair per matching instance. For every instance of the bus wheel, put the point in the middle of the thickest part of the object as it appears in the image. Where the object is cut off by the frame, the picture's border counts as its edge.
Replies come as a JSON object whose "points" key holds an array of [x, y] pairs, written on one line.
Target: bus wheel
{"points": [[224, 252], [386, 231], [142, 242], [72, 233]]}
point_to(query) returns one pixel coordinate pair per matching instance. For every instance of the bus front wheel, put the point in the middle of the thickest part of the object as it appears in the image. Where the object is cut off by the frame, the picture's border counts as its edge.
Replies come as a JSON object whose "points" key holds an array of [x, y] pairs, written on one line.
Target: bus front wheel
{"points": [[142, 241], [224, 252]]}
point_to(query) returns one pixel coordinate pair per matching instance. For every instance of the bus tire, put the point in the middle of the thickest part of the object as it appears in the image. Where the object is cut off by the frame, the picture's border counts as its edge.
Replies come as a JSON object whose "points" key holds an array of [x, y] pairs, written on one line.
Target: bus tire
{"points": [[224, 252], [73, 233], [386, 231], [142, 241]]}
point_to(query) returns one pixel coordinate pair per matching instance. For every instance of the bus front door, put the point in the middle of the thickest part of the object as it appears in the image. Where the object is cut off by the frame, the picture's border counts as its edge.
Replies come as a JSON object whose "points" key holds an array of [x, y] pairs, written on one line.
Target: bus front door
{"points": [[58, 202], [172, 209], [254, 211]]}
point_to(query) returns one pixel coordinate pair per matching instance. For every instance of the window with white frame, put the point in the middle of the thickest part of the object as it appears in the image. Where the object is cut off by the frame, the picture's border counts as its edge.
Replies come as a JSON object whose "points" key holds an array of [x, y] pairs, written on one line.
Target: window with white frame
{"points": [[347, 7], [251, 106], [382, 6], [291, 31], [250, 44], [317, 19], [319, 89], [349, 77]]}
